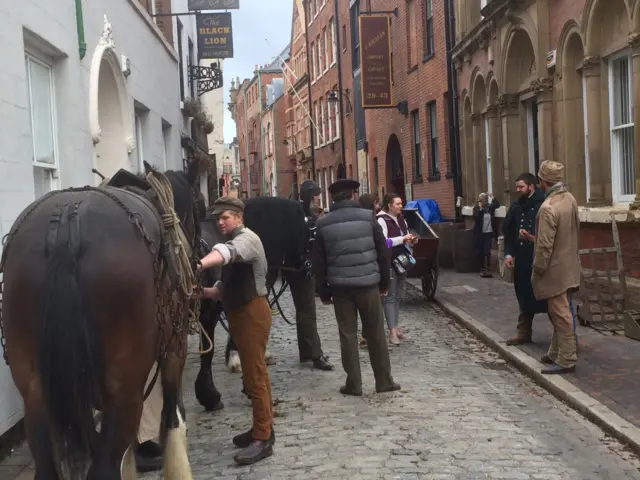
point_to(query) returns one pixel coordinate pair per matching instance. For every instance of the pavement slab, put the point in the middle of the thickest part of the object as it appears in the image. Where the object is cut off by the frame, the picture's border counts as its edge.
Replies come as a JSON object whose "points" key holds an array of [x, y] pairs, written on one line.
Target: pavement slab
{"points": [[463, 413]]}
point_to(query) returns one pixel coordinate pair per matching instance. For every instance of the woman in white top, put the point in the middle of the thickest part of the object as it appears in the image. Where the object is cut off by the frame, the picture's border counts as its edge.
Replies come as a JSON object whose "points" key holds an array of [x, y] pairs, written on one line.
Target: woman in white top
{"points": [[395, 229]]}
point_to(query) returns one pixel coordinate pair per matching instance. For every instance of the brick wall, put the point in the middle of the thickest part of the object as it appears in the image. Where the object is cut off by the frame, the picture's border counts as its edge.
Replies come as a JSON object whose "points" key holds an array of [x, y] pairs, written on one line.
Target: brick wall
{"points": [[422, 82], [593, 235]]}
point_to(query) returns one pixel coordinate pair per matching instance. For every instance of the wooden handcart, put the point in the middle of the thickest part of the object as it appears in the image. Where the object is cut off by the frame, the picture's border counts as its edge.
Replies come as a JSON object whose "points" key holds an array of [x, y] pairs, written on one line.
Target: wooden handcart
{"points": [[425, 252]]}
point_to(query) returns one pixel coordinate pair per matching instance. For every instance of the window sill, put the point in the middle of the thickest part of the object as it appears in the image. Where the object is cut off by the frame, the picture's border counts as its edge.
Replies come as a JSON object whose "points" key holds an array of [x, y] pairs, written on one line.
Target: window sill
{"points": [[417, 180], [434, 178], [412, 69], [428, 57]]}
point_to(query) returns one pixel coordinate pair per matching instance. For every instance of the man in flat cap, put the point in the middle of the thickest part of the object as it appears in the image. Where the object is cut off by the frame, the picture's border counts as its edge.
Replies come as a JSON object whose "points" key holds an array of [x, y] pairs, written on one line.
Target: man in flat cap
{"points": [[556, 265], [243, 292], [352, 265]]}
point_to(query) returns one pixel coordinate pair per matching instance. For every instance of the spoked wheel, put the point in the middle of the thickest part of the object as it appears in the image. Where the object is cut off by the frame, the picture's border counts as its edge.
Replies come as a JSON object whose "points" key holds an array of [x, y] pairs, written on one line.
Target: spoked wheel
{"points": [[430, 282]]}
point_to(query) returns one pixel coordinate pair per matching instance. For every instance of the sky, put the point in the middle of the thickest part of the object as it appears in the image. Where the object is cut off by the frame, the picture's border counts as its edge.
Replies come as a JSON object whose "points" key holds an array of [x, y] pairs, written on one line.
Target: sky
{"points": [[255, 21]]}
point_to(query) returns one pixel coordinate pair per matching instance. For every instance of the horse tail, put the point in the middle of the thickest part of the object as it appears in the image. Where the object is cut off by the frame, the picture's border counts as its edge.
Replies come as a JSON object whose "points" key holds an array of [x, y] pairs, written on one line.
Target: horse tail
{"points": [[66, 356]]}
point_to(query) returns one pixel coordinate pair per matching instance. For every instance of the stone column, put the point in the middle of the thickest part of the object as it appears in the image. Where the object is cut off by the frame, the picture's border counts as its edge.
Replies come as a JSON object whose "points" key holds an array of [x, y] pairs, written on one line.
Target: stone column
{"points": [[634, 41], [478, 154], [544, 90], [592, 69], [512, 145], [497, 167]]}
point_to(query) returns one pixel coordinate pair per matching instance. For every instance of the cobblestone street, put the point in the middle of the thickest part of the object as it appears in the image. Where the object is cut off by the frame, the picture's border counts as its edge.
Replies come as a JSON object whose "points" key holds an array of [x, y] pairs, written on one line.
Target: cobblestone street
{"points": [[462, 414]]}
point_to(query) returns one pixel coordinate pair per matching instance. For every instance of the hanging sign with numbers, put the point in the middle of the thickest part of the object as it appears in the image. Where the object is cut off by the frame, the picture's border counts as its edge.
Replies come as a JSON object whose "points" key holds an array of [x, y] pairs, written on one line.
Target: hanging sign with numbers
{"points": [[375, 58]]}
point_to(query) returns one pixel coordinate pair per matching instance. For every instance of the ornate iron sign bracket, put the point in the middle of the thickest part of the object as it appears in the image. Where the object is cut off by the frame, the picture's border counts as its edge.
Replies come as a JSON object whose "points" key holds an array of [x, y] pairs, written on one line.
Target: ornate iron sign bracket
{"points": [[209, 78]]}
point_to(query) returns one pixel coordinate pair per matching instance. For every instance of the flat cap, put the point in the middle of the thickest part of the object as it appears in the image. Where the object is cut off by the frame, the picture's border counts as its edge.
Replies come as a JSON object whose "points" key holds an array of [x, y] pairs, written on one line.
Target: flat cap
{"points": [[310, 187], [342, 185], [227, 203]]}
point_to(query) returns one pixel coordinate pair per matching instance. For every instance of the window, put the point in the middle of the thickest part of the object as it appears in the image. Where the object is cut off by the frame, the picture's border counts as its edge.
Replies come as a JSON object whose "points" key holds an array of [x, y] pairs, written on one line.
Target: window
{"points": [[326, 189], [321, 54], [42, 111], [166, 139], [433, 136], [621, 119], [411, 34], [315, 121], [336, 109], [417, 153], [321, 126], [331, 177], [192, 59], [331, 121], [334, 47], [326, 50], [376, 175], [139, 141], [319, 177], [313, 62], [429, 48], [344, 38], [312, 10], [180, 61], [355, 35]]}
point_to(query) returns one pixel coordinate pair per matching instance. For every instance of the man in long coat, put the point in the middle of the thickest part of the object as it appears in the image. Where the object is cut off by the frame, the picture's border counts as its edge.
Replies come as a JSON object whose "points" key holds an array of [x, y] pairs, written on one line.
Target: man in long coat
{"points": [[556, 265], [519, 232]]}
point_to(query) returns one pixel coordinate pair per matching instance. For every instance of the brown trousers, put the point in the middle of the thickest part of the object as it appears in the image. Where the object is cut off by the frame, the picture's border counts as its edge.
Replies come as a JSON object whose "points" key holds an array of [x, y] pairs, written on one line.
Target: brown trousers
{"points": [[563, 343], [369, 305], [250, 326]]}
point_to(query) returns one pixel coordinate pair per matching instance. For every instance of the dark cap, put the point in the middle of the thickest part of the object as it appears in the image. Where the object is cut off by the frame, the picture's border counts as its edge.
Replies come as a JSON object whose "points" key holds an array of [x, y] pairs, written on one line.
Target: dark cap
{"points": [[227, 203], [309, 187], [343, 185]]}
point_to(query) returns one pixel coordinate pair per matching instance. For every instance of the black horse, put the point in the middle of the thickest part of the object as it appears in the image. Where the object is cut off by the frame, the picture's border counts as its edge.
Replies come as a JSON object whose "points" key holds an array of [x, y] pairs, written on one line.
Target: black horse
{"points": [[89, 305], [281, 225]]}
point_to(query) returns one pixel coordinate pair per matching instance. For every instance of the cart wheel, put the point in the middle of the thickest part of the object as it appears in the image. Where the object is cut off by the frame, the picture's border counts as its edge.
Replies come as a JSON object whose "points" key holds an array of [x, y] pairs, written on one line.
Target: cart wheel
{"points": [[430, 283]]}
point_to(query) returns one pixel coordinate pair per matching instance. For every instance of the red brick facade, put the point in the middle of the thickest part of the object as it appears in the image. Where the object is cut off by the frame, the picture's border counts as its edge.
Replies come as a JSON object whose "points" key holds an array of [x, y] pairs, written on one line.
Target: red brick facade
{"points": [[420, 78]]}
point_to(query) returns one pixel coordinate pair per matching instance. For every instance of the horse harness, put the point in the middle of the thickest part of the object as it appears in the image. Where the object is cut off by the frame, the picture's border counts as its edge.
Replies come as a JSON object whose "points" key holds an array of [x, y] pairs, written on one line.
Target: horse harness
{"points": [[165, 261]]}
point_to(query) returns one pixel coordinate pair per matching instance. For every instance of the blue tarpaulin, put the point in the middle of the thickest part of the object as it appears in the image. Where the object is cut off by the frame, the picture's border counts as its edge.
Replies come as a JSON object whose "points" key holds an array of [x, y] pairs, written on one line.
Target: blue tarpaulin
{"points": [[427, 208]]}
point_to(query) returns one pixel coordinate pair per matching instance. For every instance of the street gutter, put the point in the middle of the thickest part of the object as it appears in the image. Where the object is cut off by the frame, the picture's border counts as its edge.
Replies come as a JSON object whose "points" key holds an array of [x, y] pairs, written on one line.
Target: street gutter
{"points": [[589, 407]]}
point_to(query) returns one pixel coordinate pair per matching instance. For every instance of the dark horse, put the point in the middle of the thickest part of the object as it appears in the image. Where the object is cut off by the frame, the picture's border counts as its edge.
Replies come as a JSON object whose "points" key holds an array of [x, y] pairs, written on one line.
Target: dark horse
{"points": [[90, 304], [280, 224]]}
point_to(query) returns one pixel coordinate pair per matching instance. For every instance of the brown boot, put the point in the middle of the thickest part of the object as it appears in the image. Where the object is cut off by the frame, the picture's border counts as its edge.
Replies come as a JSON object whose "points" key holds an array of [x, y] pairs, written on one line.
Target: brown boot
{"points": [[524, 328]]}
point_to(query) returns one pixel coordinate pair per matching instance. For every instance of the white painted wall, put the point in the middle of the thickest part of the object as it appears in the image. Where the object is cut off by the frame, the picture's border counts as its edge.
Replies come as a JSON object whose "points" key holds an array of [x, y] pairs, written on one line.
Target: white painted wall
{"points": [[153, 83], [213, 101]]}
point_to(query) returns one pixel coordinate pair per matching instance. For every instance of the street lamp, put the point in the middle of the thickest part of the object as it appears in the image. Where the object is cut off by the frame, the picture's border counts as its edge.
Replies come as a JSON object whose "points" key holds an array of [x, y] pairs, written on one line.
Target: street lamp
{"points": [[332, 97]]}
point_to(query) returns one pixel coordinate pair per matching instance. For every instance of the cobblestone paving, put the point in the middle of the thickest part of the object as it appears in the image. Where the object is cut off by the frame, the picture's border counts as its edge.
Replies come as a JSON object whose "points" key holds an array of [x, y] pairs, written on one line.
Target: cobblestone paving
{"points": [[462, 414]]}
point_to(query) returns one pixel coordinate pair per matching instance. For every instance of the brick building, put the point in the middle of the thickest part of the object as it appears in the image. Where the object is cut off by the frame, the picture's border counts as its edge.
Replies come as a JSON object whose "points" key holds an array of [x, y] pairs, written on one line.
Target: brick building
{"points": [[554, 80], [410, 152], [247, 104]]}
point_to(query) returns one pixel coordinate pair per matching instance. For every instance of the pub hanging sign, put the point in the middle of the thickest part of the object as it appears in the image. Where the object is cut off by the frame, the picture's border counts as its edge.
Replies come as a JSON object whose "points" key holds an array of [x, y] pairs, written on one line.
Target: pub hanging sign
{"points": [[215, 35], [375, 59], [214, 4]]}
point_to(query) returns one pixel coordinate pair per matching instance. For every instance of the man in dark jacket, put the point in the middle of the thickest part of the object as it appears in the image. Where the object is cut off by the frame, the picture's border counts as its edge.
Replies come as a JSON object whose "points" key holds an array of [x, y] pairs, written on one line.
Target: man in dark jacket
{"points": [[351, 264], [519, 242]]}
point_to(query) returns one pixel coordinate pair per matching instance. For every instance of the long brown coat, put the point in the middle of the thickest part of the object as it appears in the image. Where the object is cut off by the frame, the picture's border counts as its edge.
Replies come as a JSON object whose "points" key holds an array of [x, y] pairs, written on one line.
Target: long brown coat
{"points": [[556, 264]]}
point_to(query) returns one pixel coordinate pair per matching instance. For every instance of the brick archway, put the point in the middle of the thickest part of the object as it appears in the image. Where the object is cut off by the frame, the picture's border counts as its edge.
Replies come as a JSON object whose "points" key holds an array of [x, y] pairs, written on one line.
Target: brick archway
{"points": [[395, 168]]}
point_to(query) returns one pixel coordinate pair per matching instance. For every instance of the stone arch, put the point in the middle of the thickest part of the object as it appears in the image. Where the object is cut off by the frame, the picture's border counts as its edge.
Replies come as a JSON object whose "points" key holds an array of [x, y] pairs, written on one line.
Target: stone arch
{"points": [[519, 65], [493, 92], [605, 23], [570, 58], [479, 132], [472, 78], [478, 94], [395, 167], [110, 115]]}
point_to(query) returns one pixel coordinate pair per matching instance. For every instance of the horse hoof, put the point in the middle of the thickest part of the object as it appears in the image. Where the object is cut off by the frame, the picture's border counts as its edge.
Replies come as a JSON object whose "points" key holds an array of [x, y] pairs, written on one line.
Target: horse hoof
{"points": [[206, 393], [234, 363]]}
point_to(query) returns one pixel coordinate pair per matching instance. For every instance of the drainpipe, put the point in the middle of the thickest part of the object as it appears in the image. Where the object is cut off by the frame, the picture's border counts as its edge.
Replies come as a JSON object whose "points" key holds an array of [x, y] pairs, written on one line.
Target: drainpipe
{"points": [[82, 45], [312, 126], [262, 186], [246, 145], [336, 20], [452, 85]]}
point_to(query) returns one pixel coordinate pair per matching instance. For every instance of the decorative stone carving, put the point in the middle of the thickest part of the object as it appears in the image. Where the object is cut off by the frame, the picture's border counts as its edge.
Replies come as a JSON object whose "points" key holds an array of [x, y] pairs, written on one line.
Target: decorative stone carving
{"points": [[634, 40], [130, 142], [96, 136], [591, 62], [475, 117], [107, 34], [542, 85], [507, 101], [492, 109], [513, 17], [458, 64]]}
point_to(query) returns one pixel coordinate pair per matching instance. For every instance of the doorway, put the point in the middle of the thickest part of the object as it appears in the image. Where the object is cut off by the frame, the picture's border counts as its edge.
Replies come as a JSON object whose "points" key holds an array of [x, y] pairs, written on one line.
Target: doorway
{"points": [[532, 136], [395, 168]]}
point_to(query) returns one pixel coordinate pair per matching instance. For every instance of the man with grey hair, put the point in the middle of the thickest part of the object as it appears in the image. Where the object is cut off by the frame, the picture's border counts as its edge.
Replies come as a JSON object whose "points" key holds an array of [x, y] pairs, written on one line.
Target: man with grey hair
{"points": [[351, 264], [556, 265]]}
